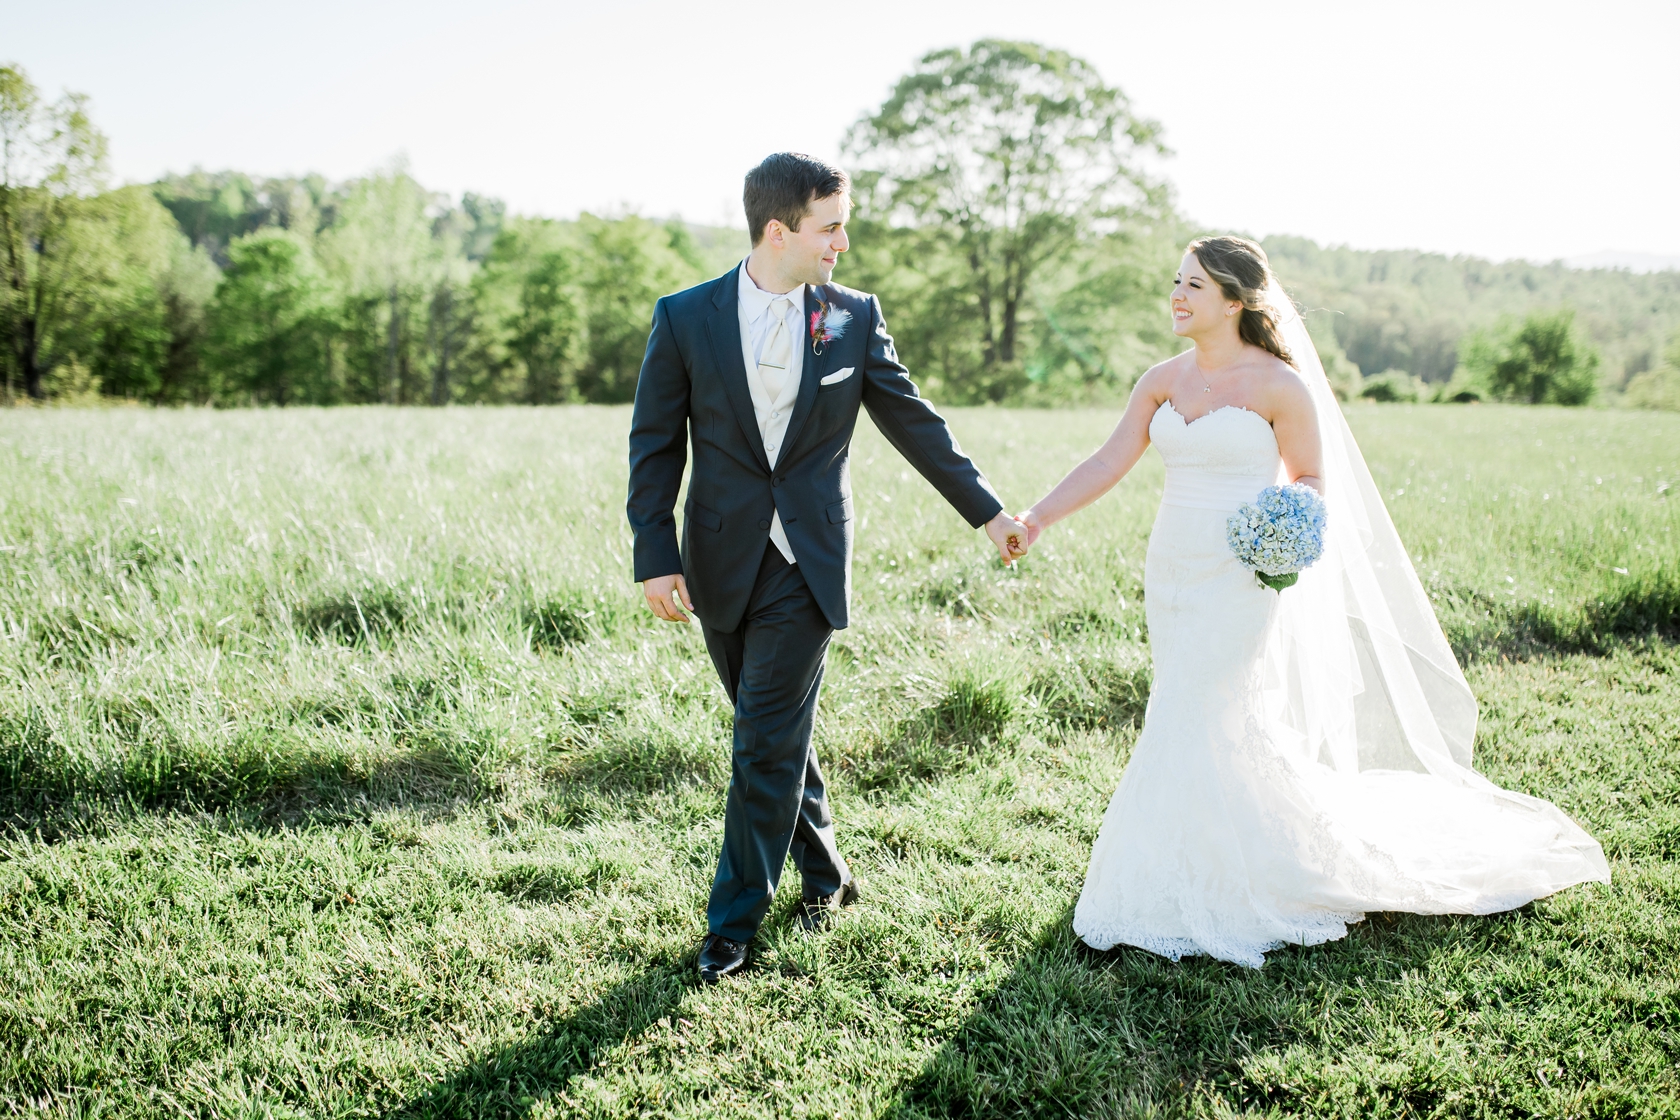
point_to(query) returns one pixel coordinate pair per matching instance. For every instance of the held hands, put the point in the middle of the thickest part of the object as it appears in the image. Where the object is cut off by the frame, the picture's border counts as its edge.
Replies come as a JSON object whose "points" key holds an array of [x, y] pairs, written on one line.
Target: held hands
{"points": [[668, 595], [1033, 524], [1010, 537], [662, 594]]}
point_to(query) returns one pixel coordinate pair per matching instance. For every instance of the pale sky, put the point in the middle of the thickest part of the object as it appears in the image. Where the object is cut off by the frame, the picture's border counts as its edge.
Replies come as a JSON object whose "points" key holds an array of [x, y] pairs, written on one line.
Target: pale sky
{"points": [[1537, 130]]}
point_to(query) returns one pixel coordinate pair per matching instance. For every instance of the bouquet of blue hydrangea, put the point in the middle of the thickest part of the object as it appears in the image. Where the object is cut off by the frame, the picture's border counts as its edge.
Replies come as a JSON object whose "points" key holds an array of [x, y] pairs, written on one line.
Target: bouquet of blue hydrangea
{"points": [[1280, 534]]}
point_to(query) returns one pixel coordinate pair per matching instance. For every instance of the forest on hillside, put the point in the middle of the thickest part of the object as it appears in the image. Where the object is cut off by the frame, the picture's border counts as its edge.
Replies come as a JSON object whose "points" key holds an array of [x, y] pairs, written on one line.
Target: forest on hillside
{"points": [[1033, 271], [1414, 311]]}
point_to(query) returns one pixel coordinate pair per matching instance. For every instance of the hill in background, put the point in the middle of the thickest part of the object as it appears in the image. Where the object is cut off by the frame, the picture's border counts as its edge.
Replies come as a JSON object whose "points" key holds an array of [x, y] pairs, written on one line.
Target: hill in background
{"points": [[1409, 310], [1633, 262]]}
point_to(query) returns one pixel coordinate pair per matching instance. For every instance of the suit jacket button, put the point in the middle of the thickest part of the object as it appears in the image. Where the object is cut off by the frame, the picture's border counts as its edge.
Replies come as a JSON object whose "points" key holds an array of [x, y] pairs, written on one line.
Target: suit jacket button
{"points": [[764, 524], [777, 481]]}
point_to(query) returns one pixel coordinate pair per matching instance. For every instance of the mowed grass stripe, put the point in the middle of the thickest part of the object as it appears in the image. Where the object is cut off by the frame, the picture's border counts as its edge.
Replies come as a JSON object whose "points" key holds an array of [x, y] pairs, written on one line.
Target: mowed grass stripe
{"points": [[345, 776]]}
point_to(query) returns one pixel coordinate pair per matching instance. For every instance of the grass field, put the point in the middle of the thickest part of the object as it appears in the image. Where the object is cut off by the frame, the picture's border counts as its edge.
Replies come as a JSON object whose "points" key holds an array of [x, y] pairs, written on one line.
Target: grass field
{"points": [[342, 775]]}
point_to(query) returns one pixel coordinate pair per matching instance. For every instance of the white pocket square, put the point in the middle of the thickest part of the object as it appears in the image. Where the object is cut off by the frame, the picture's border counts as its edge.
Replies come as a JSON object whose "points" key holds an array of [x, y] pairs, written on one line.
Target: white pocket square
{"points": [[837, 376]]}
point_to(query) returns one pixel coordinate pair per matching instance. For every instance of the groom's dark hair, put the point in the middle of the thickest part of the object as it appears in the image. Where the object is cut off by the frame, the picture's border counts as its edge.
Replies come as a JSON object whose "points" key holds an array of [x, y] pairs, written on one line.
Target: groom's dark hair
{"points": [[784, 186]]}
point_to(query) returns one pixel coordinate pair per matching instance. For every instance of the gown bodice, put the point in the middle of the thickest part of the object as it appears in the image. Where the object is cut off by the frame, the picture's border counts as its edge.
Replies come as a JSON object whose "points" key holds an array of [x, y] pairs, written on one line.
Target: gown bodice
{"points": [[1217, 461]]}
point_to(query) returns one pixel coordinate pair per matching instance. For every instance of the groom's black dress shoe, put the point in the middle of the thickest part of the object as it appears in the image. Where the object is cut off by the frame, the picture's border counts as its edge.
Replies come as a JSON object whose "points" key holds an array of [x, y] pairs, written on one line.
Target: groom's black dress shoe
{"points": [[720, 957], [814, 913]]}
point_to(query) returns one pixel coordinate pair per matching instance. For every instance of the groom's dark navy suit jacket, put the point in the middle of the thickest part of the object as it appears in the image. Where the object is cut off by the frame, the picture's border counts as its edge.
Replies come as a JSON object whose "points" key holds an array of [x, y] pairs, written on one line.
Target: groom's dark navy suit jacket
{"points": [[693, 385]]}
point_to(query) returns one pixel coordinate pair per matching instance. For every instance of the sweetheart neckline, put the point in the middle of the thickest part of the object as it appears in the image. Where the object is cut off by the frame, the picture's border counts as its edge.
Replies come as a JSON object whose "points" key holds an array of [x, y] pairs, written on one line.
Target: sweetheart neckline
{"points": [[1190, 423]]}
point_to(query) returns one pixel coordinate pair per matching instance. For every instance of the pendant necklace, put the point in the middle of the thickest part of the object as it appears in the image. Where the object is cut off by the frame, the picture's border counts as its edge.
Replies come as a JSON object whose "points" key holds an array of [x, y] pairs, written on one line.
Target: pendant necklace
{"points": [[1206, 387]]}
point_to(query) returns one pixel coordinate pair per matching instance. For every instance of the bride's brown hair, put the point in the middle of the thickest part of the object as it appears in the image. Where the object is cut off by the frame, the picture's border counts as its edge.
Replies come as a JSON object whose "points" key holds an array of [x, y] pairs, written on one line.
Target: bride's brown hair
{"points": [[1241, 270]]}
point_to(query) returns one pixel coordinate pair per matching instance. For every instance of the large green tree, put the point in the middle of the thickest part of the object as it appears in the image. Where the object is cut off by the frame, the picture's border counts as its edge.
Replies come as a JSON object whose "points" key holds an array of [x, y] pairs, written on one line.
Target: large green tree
{"points": [[1002, 158], [384, 252], [51, 161], [561, 309], [527, 319], [628, 264], [141, 340], [270, 327], [1542, 360]]}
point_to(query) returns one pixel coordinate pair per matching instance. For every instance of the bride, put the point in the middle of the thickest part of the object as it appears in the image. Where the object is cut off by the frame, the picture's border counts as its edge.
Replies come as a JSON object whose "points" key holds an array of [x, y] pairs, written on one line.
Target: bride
{"points": [[1305, 756]]}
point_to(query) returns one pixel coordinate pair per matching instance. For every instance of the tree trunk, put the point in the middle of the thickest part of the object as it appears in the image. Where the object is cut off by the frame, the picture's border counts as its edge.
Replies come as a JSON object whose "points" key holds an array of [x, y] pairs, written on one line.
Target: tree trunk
{"points": [[17, 279], [444, 316], [393, 386], [1006, 346], [29, 357], [983, 290], [1014, 285], [1015, 271], [180, 359]]}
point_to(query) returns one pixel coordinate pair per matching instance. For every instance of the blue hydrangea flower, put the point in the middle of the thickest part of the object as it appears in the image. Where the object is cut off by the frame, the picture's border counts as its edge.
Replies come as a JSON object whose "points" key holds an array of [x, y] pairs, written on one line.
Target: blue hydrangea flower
{"points": [[1280, 534]]}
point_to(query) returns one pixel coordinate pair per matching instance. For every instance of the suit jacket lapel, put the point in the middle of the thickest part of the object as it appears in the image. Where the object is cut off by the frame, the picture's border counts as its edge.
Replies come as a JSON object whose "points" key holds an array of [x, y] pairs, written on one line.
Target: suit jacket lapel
{"points": [[815, 369], [723, 328]]}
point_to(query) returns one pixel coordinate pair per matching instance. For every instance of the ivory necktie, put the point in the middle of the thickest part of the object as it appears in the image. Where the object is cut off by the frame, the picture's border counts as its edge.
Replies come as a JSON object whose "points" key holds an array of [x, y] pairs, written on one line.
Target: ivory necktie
{"points": [[778, 349]]}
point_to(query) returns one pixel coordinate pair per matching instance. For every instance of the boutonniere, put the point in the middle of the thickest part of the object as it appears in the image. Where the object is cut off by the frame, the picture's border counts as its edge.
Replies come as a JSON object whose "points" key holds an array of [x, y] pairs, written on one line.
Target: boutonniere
{"points": [[827, 324]]}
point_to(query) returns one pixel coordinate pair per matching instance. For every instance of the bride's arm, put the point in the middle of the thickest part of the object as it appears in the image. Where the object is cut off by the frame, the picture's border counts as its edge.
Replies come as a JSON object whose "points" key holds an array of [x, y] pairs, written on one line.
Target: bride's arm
{"points": [[1106, 466], [1295, 423]]}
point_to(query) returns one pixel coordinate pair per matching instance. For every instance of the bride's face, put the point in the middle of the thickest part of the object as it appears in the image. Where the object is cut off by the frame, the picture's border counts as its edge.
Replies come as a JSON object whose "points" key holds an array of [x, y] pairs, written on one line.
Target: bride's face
{"points": [[1198, 306]]}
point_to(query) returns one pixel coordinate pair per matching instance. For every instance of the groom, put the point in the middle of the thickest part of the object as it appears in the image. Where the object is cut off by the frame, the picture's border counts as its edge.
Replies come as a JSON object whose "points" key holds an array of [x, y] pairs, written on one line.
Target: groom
{"points": [[763, 370]]}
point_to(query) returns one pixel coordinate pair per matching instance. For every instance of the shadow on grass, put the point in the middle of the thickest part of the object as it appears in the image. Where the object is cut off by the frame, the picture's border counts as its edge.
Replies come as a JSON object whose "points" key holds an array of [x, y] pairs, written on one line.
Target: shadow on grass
{"points": [[970, 718], [264, 773], [1639, 608], [275, 778], [1074, 1032], [573, 618], [977, 713], [513, 1080]]}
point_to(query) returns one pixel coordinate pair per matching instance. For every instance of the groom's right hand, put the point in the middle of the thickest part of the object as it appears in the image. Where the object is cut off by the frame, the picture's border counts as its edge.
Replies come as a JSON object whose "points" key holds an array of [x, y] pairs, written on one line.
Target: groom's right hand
{"points": [[1010, 537], [660, 598]]}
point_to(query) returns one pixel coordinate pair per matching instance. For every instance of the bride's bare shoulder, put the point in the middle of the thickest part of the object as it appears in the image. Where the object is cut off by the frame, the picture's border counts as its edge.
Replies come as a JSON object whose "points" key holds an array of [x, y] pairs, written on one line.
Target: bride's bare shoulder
{"points": [[1158, 378], [1269, 366], [1283, 384]]}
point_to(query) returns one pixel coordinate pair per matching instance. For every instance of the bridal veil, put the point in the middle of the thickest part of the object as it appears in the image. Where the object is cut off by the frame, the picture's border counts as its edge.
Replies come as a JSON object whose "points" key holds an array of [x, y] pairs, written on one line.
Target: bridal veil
{"points": [[1359, 667]]}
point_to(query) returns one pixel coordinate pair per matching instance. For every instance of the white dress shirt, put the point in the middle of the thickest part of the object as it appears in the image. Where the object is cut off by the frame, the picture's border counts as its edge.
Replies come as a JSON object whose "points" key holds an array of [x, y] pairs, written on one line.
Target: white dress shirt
{"points": [[772, 413]]}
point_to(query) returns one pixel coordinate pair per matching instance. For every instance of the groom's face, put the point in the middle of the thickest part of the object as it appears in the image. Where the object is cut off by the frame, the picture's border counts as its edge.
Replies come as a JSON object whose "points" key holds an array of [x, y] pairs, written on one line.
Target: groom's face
{"points": [[810, 253]]}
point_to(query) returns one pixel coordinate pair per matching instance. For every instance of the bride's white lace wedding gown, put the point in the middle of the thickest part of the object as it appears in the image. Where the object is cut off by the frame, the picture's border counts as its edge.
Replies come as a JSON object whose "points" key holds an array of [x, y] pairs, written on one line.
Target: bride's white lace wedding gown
{"points": [[1244, 821]]}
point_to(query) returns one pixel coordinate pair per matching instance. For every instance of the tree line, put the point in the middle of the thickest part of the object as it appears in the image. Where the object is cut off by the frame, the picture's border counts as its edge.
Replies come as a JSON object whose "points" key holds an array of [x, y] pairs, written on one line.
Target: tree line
{"points": [[1432, 327], [1009, 211], [220, 289]]}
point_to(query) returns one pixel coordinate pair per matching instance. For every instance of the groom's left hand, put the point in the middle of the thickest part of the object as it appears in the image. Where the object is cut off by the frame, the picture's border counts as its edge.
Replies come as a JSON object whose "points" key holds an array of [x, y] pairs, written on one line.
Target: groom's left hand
{"points": [[1010, 537]]}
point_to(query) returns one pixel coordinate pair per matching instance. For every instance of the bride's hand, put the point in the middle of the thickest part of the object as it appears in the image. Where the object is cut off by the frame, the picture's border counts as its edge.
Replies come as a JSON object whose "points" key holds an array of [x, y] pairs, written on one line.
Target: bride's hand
{"points": [[1034, 525]]}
